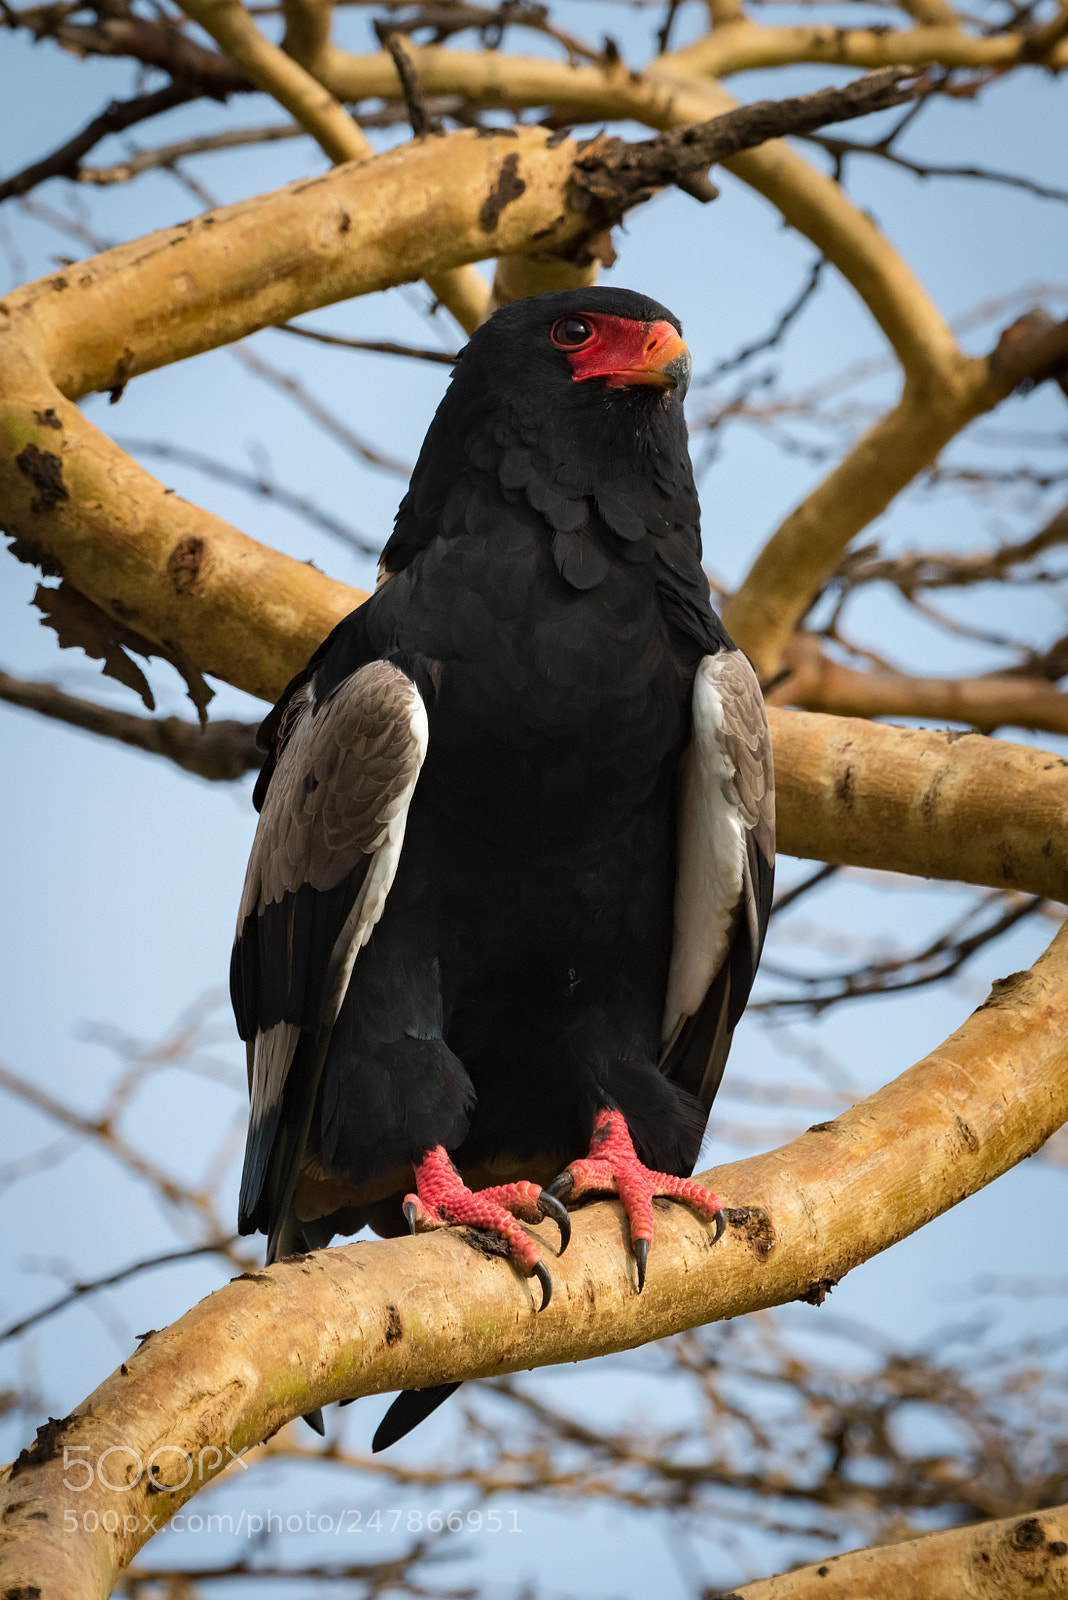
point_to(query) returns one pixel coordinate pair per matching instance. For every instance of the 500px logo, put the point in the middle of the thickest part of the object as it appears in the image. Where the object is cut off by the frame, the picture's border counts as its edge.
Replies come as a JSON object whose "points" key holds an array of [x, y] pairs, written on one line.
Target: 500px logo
{"points": [[112, 1467], [89, 1521]]}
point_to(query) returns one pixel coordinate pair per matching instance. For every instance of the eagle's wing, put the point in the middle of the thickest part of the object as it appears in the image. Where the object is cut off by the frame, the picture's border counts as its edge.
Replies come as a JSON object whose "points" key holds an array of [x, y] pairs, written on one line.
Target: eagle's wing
{"points": [[324, 858], [724, 872]]}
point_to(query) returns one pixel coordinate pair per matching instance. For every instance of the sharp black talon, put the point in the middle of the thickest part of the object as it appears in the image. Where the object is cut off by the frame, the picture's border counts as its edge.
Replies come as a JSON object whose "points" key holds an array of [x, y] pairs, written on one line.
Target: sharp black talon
{"points": [[550, 1206], [560, 1187], [541, 1272], [410, 1215], [641, 1256], [720, 1219]]}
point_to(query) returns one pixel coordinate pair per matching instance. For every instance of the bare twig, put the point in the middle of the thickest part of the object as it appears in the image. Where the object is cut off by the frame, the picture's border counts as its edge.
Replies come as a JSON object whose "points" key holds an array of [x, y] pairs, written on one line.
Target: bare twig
{"points": [[221, 751], [167, 155], [298, 392], [257, 483], [933, 169], [782, 326], [940, 570], [120, 114], [942, 958], [422, 122], [133, 1269], [382, 347], [104, 1133], [243, 138], [815, 880]]}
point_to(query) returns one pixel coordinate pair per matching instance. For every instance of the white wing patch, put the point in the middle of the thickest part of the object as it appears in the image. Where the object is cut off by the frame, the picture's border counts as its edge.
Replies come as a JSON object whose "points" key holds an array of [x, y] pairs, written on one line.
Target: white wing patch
{"points": [[272, 1055], [371, 901], [320, 848], [710, 861]]}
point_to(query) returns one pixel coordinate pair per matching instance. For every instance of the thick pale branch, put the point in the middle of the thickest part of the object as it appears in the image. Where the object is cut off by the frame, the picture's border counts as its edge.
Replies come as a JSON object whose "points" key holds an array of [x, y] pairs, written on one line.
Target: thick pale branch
{"points": [[146, 556], [461, 289], [1017, 1558], [668, 94], [404, 215], [367, 1318], [745, 47], [987, 703], [938, 805], [424, 195], [121, 539]]}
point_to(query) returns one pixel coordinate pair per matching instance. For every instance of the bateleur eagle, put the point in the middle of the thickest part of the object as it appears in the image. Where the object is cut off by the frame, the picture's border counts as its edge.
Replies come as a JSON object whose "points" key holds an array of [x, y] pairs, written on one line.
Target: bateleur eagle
{"points": [[514, 860]]}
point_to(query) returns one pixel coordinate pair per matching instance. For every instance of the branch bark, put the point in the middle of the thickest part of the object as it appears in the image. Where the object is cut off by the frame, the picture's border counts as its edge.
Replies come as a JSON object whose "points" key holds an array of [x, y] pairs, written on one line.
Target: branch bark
{"points": [[111, 527], [221, 751], [986, 703], [667, 94], [461, 288], [1016, 1558], [937, 805], [367, 1318], [746, 47]]}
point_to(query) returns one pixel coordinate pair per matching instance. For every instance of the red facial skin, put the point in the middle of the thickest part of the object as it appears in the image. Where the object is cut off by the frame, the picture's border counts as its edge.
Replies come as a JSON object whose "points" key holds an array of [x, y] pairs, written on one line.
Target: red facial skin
{"points": [[624, 352]]}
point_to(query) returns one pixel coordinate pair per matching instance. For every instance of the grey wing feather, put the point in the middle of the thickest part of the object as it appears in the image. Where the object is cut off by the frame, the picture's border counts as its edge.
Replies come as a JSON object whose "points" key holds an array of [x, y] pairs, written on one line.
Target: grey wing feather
{"points": [[323, 861], [725, 872]]}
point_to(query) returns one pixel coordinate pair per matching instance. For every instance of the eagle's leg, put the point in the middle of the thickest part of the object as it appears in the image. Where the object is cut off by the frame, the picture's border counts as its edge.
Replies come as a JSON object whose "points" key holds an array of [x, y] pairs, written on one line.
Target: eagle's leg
{"points": [[613, 1167], [443, 1199]]}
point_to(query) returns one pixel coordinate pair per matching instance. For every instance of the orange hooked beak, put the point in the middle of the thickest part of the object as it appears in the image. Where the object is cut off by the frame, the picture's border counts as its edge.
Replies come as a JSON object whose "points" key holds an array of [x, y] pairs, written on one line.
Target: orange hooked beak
{"points": [[663, 361], [623, 351]]}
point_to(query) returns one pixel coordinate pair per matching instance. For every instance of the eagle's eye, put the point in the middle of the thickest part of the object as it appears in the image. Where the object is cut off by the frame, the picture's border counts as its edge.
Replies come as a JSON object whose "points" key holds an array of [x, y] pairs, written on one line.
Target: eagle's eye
{"points": [[570, 333]]}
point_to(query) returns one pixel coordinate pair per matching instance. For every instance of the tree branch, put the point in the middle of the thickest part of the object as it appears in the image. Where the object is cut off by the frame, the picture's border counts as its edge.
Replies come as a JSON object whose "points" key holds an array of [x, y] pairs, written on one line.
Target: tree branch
{"points": [[255, 483], [1008, 1560], [119, 32], [861, 794], [986, 703], [367, 1318], [460, 288], [220, 750], [222, 1246], [683, 155], [222, 276], [913, 572], [382, 347], [119, 115], [747, 47], [934, 407]]}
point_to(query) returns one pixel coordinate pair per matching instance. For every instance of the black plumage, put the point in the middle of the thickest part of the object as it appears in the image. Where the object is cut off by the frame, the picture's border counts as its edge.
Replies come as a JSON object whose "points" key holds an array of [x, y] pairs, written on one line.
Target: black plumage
{"points": [[462, 920]]}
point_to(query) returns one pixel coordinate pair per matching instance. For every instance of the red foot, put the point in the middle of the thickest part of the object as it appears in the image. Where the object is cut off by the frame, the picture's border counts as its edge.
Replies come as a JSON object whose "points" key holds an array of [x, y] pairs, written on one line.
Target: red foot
{"points": [[443, 1199], [612, 1167]]}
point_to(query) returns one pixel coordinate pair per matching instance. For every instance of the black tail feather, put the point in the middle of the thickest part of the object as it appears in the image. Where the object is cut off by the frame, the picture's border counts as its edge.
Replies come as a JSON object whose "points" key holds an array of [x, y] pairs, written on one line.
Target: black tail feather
{"points": [[409, 1409]]}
